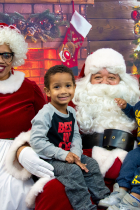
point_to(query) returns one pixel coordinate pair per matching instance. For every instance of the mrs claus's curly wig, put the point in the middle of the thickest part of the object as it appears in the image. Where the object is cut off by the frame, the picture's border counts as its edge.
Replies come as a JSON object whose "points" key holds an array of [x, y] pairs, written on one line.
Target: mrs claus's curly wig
{"points": [[15, 40]]}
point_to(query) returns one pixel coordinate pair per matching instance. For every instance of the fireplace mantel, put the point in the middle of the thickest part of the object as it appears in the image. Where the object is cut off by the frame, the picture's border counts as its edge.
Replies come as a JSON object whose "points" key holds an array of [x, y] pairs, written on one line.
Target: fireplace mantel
{"points": [[48, 1]]}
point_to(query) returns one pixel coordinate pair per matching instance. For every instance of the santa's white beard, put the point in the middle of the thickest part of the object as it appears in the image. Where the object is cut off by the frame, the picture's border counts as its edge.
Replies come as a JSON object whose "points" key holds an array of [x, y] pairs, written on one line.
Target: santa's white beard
{"points": [[96, 109]]}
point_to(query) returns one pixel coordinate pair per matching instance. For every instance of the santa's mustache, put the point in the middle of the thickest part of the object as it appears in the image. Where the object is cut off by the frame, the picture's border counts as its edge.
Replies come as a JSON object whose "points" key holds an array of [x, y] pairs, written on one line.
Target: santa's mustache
{"points": [[107, 90], [91, 92]]}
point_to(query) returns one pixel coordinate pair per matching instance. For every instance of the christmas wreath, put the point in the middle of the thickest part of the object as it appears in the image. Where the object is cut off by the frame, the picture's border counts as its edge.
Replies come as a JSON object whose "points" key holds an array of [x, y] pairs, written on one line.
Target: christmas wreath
{"points": [[44, 26]]}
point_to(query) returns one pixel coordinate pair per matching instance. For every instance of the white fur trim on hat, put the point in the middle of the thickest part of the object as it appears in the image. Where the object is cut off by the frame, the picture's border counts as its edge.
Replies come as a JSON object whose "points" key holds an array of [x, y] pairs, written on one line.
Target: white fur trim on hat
{"points": [[107, 58], [12, 165]]}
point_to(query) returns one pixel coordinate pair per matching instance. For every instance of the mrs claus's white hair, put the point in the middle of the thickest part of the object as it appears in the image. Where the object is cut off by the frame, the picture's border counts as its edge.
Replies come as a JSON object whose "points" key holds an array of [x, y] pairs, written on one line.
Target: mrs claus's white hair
{"points": [[16, 43]]}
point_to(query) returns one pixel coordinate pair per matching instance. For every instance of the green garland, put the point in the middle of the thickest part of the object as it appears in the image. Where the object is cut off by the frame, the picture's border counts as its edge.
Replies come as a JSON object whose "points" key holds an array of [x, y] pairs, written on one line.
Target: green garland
{"points": [[44, 26]]}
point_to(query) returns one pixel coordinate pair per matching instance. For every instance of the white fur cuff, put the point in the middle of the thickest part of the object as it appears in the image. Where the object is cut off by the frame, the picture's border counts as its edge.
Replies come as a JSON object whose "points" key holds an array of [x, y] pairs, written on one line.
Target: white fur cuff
{"points": [[35, 190], [12, 165], [106, 158]]}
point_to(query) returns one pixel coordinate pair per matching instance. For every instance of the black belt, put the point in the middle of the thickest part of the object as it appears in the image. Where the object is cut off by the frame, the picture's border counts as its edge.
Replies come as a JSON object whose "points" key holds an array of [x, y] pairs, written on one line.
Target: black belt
{"points": [[111, 138], [91, 140]]}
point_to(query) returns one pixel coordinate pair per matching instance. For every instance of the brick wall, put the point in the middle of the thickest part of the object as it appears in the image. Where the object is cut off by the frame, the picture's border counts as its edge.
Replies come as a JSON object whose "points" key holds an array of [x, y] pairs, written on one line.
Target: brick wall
{"points": [[42, 56]]}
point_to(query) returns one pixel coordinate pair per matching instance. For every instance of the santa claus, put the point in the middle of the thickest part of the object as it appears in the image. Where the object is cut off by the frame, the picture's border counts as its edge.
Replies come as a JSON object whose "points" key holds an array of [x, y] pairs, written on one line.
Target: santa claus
{"points": [[100, 119]]}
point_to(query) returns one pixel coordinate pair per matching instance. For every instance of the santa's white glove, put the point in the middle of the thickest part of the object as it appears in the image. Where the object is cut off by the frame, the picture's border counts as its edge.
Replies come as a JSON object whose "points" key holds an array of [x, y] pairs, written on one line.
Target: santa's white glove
{"points": [[32, 163]]}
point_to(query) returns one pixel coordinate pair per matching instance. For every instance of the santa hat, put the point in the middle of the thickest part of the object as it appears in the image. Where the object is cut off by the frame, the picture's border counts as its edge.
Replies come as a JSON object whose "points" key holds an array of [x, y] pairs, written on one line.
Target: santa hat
{"points": [[107, 58]]}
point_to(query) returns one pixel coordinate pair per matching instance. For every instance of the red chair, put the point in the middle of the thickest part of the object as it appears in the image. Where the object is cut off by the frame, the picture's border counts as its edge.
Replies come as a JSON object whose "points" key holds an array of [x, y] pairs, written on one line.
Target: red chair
{"points": [[54, 197]]}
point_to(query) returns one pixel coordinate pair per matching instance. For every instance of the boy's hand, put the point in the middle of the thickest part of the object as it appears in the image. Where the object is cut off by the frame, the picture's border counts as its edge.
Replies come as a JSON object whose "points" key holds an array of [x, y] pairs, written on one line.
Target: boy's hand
{"points": [[81, 165], [70, 157], [121, 102], [75, 156]]}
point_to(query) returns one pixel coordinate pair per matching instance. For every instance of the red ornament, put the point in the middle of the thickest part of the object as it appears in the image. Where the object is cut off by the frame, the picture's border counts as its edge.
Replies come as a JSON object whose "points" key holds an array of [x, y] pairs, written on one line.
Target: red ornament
{"points": [[135, 15], [67, 55]]}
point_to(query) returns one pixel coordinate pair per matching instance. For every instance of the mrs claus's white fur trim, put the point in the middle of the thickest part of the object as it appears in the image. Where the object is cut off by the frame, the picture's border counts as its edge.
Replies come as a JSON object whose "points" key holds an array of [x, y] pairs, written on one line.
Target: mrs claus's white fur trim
{"points": [[35, 190], [15, 169], [13, 83], [12, 165], [106, 158], [107, 58]]}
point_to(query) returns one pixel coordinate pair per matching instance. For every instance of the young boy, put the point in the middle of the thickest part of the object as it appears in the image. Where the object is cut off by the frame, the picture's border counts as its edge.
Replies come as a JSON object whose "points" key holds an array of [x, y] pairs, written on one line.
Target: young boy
{"points": [[55, 137], [129, 177]]}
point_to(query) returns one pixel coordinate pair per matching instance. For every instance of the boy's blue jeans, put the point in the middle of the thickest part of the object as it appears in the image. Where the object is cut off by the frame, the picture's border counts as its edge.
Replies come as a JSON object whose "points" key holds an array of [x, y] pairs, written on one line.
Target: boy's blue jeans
{"points": [[77, 182], [129, 176]]}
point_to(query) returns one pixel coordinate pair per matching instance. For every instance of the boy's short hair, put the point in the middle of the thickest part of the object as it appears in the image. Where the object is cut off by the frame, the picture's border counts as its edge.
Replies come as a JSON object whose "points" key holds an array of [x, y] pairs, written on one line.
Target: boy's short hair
{"points": [[57, 69]]}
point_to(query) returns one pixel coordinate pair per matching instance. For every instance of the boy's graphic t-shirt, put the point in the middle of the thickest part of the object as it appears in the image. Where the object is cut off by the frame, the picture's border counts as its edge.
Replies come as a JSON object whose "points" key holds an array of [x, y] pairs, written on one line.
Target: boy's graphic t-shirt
{"points": [[54, 134], [61, 131]]}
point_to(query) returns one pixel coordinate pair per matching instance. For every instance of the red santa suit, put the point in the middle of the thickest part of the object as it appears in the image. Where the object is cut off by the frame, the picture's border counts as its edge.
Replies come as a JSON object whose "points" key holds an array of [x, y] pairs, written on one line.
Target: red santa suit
{"points": [[20, 100], [96, 109]]}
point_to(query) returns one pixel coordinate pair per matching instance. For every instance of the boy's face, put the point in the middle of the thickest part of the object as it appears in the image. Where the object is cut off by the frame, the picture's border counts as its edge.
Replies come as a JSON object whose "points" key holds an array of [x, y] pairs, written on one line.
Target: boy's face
{"points": [[61, 89]]}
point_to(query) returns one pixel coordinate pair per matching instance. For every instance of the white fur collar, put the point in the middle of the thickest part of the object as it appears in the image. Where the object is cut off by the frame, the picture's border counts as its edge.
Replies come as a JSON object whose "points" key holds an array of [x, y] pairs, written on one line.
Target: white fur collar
{"points": [[13, 83]]}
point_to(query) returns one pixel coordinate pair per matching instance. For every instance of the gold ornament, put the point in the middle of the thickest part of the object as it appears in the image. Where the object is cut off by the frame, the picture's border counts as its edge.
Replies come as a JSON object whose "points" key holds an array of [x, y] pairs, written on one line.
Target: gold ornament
{"points": [[137, 28], [134, 69], [135, 55]]}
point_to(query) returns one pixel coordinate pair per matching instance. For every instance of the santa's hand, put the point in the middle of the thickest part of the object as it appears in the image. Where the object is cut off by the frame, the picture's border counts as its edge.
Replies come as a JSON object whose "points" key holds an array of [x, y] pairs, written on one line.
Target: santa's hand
{"points": [[32, 163], [121, 103]]}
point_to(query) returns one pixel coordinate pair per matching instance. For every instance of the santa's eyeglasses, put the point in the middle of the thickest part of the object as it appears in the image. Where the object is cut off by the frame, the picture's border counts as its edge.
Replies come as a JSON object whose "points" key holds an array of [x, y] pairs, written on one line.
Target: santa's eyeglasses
{"points": [[7, 57]]}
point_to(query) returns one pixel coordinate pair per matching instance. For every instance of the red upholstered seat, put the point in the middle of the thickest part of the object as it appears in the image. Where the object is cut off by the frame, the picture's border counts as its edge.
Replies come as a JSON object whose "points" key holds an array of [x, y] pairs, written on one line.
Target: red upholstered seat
{"points": [[54, 197]]}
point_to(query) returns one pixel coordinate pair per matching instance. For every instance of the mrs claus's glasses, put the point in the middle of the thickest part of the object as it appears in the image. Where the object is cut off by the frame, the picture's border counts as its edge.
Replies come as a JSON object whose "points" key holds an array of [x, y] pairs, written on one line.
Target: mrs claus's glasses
{"points": [[7, 57]]}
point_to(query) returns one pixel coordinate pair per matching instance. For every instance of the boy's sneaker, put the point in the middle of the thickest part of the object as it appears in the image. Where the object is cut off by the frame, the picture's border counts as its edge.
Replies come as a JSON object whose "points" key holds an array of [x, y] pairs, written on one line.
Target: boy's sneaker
{"points": [[114, 198], [127, 203]]}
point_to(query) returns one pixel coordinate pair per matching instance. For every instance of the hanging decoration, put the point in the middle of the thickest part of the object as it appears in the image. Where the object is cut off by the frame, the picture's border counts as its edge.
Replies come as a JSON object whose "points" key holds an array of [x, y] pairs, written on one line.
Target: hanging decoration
{"points": [[44, 26], [74, 38], [135, 15], [134, 69], [135, 56]]}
